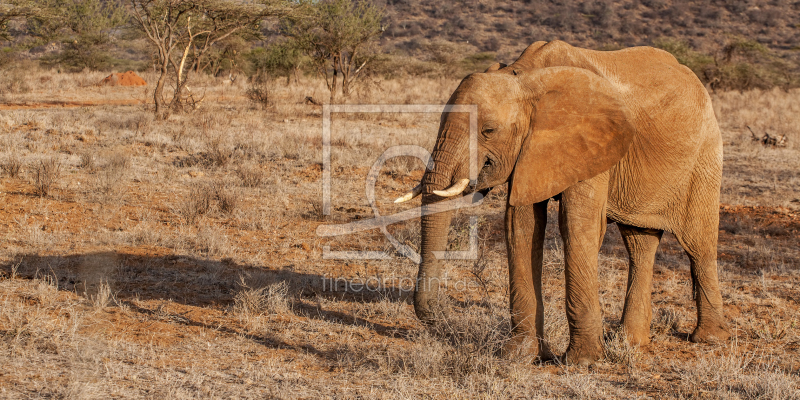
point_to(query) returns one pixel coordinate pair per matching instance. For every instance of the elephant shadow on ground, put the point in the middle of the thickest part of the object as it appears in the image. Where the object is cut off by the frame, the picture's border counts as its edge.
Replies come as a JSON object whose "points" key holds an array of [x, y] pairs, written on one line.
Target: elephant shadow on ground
{"points": [[199, 283]]}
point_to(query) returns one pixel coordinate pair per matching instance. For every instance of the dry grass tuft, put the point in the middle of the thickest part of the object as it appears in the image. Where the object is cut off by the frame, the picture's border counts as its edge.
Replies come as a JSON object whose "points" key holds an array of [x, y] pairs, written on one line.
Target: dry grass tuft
{"points": [[254, 306], [250, 175], [88, 161], [46, 174], [618, 350], [112, 172], [218, 150], [665, 322], [102, 296], [197, 203], [12, 166], [227, 197]]}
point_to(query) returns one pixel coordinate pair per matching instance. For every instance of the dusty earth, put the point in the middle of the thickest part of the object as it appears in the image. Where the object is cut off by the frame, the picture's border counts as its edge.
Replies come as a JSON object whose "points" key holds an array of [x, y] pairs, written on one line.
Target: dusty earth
{"points": [[180, 259]]}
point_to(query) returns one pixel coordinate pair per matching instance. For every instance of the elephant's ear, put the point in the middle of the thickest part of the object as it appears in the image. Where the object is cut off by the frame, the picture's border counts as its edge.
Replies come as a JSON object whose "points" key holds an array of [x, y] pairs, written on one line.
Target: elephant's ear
{"points": [[580, 128]]}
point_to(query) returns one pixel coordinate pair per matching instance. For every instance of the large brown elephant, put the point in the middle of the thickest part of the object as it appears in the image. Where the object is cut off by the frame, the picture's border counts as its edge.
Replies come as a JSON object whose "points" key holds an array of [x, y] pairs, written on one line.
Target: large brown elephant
{"points": [[624, 136]]}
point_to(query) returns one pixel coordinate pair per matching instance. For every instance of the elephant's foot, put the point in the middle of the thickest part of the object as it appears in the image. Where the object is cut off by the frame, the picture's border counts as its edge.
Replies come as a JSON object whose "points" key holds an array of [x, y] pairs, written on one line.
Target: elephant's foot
{"points": [[710, 332], [636, 334], [427, 306], [524, 346], [583, 355]]}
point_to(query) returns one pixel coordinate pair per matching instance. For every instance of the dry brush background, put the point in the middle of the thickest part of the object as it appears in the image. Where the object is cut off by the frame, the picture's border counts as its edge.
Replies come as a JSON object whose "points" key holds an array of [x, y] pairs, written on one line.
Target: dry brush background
{"points": [[142, 258]]}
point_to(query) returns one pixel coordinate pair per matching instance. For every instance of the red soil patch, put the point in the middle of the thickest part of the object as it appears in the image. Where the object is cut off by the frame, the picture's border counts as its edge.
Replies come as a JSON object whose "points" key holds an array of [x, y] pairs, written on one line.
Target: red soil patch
{"points": [[123, 79]]}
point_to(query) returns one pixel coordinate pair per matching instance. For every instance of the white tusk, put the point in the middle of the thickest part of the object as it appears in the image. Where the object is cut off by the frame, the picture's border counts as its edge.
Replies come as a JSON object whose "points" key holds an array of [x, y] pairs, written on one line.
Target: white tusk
{"points": [[410, 195], [457, 188]]}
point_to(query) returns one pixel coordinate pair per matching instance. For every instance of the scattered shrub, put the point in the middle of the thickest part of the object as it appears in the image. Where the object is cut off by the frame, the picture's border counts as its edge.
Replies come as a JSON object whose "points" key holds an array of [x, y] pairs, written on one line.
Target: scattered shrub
{"points": [[618, 350], [267, 300], [250, 175], [260, 90], [45, 175], [88, 161], [227, 198], [665, 321], [282, 59], [12, 166], [739, 65], [112, 172], [197, 203], [218, 150]]}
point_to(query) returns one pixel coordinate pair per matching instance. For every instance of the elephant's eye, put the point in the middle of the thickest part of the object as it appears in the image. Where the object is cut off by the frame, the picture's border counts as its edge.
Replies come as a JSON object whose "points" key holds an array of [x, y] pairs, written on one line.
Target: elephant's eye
{"points": [[488, 131]]}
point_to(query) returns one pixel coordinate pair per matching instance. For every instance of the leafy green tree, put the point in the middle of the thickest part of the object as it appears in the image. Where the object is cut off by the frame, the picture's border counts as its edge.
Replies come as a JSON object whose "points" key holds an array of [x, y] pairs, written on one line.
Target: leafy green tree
{"points": [[281, 59], [337, 35], [184, 33]]}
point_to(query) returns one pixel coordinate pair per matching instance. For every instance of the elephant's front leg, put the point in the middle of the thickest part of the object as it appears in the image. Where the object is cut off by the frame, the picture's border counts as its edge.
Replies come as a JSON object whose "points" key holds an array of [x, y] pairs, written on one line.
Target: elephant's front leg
{"points": [[525, 233], [582, 221]]}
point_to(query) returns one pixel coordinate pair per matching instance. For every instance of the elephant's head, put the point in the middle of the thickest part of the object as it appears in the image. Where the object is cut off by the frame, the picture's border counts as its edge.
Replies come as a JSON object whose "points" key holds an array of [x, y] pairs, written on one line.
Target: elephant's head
{"points": [[541, 130]]}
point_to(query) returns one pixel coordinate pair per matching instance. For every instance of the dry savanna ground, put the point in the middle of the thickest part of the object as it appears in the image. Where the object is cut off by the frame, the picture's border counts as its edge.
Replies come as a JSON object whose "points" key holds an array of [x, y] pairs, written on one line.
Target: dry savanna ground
{"points": [[142, 258]]}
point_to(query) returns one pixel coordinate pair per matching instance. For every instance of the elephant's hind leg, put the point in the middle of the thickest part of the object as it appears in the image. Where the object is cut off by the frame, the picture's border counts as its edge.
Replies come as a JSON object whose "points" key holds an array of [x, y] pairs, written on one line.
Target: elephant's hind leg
{"points": [[711, 325], [641, 244], [699, 240], [525, 233]]}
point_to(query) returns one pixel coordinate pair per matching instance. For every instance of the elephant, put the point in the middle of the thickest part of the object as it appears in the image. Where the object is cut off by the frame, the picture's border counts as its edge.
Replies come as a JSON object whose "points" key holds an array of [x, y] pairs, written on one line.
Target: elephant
{"points": [[626, 136]]}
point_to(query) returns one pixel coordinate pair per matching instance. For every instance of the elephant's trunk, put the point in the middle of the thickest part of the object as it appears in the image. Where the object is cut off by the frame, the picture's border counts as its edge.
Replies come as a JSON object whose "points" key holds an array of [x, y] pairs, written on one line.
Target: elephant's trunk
{"points": [[448, 168], [434, 238]]}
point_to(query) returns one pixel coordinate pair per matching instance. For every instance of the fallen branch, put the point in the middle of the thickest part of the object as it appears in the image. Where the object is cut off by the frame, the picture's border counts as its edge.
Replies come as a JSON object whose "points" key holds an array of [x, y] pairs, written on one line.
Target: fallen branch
{"points": [[767, 139]]}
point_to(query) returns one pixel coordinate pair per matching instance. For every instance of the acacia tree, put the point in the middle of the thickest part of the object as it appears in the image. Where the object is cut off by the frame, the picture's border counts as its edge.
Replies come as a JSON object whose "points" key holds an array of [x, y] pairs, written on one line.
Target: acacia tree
{"points": [[283, 58], [184, 31], [337, 35]]}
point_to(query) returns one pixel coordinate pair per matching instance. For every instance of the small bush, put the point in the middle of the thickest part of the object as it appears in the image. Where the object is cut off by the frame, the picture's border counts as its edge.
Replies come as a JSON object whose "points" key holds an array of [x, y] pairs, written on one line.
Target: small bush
{"points": [[197, 203], [282, 59], [88, 161], [666, 320], [250, 175], [112, 172], [268, 300], [45, 176], [218, 151], [260, 90], [227, 198], [12, 166], [459, 344], [103, 297]]}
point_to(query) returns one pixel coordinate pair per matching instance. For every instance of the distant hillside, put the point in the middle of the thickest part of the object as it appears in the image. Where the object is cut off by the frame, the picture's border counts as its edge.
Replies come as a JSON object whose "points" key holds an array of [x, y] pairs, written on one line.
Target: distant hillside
{"points": [[736, 44], [507, 27]]}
